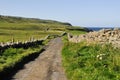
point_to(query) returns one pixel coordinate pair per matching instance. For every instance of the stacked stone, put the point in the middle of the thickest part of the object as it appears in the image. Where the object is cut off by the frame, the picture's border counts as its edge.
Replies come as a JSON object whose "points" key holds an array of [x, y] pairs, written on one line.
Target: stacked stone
{"points": [[102, 36], [19, 44]]}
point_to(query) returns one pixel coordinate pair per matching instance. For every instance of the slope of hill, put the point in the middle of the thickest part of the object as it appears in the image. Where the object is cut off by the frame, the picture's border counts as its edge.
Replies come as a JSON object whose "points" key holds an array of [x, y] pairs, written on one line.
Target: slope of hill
{"points": [[21, 28], [29, 23]]}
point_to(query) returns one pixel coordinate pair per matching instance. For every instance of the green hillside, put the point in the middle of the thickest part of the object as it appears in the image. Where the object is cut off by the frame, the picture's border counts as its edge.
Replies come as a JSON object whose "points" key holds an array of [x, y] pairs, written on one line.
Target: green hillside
{"points": [[8, 22], [22, 29]]}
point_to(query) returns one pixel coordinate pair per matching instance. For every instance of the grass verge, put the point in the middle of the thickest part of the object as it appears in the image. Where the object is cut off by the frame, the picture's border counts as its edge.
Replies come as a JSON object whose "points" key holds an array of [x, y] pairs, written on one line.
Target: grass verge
{"points": [[90, 62], [13, 59]]}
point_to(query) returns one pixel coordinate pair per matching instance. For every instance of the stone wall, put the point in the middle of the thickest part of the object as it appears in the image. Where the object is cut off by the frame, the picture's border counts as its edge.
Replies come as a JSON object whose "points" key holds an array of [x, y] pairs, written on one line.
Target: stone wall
{"points": [[102, 36], [30, 43]]}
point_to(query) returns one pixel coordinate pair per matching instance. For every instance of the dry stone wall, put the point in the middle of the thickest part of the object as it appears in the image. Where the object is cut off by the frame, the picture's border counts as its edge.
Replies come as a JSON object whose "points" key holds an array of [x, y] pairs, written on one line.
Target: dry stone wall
{"points": [[102, 36], [30, 43]]}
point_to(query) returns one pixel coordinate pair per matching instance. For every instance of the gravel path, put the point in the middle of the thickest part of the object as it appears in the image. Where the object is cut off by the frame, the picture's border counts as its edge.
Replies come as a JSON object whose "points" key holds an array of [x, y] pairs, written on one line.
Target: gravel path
{"points": [[47, 66]]}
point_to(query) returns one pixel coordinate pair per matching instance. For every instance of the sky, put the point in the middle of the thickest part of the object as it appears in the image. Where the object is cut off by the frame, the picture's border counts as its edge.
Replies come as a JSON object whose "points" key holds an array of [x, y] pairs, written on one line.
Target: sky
{"points": [[85, 13]]}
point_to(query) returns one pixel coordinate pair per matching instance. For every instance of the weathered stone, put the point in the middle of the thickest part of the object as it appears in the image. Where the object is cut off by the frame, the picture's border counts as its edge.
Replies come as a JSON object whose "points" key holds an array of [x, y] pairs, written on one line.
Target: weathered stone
{"points": [[116, 28], [102, 36]]}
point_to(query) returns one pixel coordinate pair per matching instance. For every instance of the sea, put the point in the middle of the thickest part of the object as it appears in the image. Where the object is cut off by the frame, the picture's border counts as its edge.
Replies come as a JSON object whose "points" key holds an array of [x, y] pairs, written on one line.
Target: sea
{"points": [[98, 28]]}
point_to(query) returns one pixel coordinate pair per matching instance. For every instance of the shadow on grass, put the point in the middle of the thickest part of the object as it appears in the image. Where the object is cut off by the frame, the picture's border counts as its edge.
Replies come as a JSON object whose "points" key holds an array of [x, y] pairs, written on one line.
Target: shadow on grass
{"points": [[8, 73]]}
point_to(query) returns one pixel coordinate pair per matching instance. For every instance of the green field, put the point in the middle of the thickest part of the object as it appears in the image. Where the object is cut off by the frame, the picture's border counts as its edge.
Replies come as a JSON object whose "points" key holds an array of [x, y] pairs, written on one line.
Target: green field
{"points": [[23, 35], [22, 29]]}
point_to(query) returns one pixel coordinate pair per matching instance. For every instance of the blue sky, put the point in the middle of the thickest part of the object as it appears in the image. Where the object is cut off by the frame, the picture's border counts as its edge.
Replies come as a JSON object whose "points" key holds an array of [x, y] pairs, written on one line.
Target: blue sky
{"points": [[101, 13]]}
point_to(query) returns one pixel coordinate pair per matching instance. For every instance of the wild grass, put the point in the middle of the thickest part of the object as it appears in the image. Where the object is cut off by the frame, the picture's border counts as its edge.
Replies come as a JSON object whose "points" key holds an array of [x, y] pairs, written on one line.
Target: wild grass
{"points": [[76, 32], [83, 62], [10, 57]]}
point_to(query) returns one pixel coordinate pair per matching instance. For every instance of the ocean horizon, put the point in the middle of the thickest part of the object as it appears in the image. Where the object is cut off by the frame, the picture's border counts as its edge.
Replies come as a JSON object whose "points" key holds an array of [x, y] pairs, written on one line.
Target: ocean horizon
{"points": [[99, 28]]}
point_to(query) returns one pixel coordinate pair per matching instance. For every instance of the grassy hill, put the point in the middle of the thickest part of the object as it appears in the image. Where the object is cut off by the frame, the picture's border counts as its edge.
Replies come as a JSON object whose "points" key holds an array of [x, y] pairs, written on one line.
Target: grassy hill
{"points": [[8, 22], [21, 28]]}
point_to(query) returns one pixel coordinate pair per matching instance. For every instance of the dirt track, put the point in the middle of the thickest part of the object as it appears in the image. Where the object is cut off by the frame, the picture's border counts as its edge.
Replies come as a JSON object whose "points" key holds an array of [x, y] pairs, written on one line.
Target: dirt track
{"points": [[47, 66]]}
